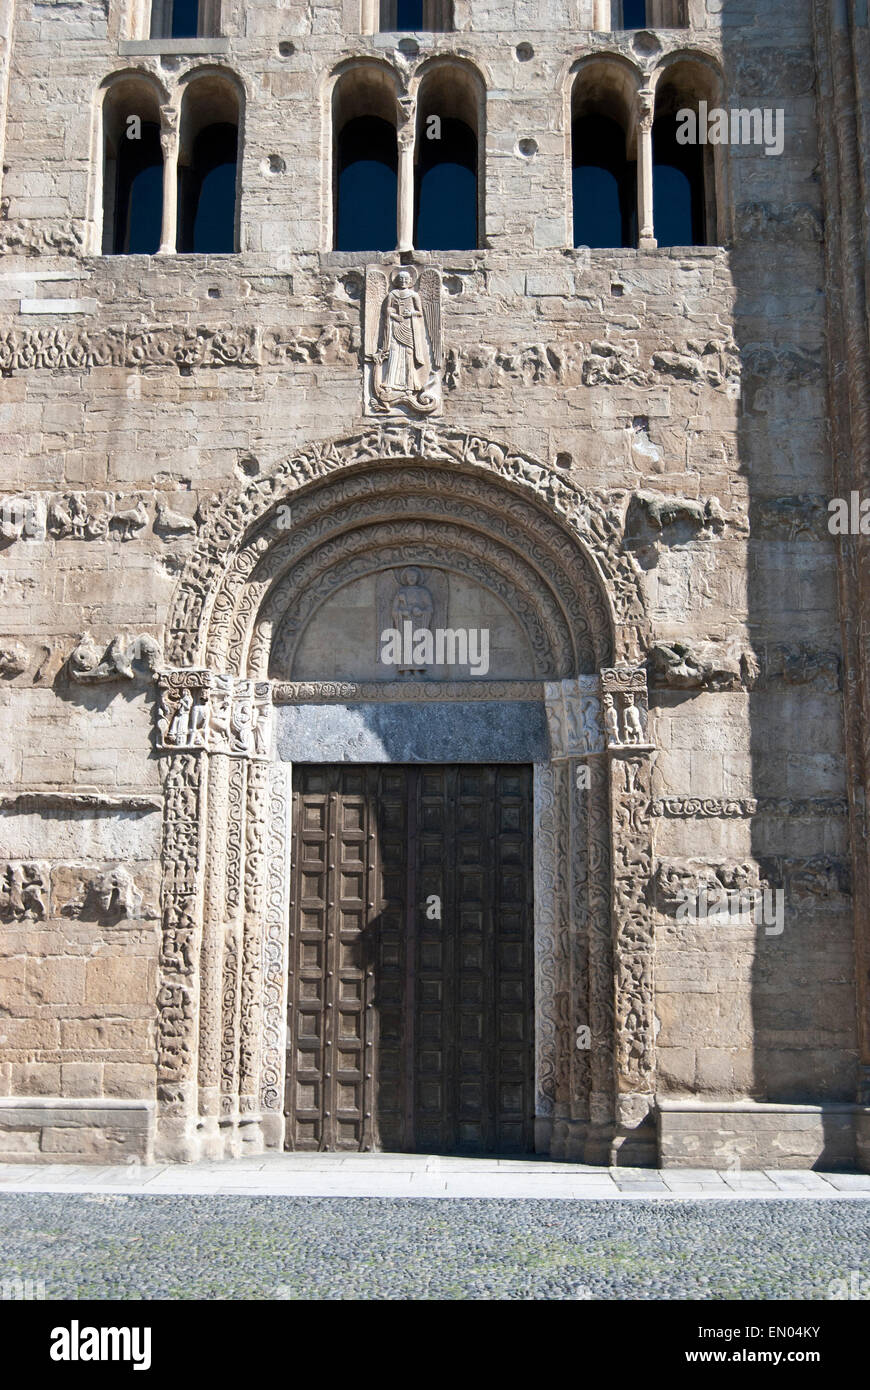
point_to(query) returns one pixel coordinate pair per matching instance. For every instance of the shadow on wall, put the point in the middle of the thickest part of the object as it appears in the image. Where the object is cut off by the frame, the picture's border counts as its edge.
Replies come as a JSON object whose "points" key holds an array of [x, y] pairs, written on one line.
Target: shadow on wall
{"points": [[803, 1015]]}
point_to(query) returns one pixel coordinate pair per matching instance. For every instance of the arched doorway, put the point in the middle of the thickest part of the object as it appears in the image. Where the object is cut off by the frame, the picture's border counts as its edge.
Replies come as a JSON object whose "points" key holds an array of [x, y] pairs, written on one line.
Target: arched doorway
{"points": [[276, 638]]}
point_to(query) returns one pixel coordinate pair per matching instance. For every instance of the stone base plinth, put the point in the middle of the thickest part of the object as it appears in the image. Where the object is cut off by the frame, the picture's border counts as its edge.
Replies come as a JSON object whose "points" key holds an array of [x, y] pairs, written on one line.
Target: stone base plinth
{"points": [[755, 1134], [47, 1129]]}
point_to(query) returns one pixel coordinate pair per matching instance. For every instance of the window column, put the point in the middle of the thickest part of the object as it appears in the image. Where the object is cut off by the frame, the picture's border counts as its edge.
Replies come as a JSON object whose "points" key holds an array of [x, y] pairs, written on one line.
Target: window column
{"points": [[405, 194], [169, 142], [646, 230]]}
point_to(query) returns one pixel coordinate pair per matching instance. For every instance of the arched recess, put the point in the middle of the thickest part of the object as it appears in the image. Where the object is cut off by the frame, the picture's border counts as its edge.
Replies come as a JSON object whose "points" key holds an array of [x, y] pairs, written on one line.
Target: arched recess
{"points": [[449, 173], [688, 179], [267, 559], [365, 158], [604, 153], [132, 167], [209, 165]]}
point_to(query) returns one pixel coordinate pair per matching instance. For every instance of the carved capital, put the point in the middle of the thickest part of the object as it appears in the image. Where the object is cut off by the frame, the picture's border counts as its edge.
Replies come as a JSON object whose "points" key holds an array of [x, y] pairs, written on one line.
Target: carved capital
{"points": [[625, 708], [202, 709], [646, 109]]}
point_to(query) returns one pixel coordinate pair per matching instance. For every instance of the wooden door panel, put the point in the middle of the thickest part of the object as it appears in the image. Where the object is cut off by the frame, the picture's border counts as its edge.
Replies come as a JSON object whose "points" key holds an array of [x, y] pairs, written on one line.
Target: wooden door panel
{"points": [[411, 960]]}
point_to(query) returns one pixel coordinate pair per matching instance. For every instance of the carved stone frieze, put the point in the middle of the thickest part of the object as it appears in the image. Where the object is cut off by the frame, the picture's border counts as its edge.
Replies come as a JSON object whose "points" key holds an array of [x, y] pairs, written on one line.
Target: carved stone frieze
{"points": [[730, 665], [325, 692], [90, 516], [656, 519], [819, 881], [745, 807], [24, 890], [53, 799], [677, 665], [40, 238], [207, 710], [110, 894], [573, 709], [678, 879], [714, 364], [86, 666], [82, 349]]}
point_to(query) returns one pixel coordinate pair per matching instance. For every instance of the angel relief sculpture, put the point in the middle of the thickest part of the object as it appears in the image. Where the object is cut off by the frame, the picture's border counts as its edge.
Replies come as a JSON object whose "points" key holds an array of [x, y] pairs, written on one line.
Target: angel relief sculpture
{"points": [[403, 342]]}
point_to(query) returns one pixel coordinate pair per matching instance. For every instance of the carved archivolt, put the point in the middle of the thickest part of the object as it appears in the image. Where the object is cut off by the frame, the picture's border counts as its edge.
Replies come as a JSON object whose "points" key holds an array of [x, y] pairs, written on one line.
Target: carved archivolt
{"points": [[238, 530], [534, 552]]}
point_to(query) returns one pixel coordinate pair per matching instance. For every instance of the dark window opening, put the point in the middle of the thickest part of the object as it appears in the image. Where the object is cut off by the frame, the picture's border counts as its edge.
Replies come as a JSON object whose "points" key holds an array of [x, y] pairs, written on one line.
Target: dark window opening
{"points": [[604, 184], [207, 193], [446, 189], [634, 14], [185, 19], [367, 175], [409, 15], [415, 16], [139, 193], [678, 188]]}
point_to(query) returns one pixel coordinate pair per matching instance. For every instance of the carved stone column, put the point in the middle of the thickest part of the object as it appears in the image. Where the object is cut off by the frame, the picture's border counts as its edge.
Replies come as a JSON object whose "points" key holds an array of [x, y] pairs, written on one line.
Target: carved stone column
{"points": [[169, 145], [276, 930], [256, 814], [178, 993], [584, 1111], [645, 114], [405, 192], [232, 944], [625, 715], [224, 724]]}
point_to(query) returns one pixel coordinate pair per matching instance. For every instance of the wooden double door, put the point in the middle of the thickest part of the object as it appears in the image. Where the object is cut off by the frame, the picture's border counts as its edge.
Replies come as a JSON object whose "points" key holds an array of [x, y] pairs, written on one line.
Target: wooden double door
{"points": [[410, 996]]}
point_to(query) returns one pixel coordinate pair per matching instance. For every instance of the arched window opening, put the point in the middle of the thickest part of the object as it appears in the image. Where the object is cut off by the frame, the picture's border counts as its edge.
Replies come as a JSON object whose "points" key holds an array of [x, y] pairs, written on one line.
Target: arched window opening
{"points": [[603, 157], [447, 211], [415, 16], [132, 171], [678, 188], [366, 162], [604, 184], [208, 169], [684, 175], [367, 172], [446, 190]]}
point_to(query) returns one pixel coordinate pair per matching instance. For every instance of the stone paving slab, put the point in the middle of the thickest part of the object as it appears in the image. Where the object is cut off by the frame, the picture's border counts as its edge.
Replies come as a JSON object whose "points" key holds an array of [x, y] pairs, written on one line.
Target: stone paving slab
{"points": [[421, 1175]]}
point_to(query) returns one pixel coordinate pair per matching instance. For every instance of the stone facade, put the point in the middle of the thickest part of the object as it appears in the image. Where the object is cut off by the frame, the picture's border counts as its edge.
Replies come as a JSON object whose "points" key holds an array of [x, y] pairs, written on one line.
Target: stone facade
{"points": [[619, 462]]}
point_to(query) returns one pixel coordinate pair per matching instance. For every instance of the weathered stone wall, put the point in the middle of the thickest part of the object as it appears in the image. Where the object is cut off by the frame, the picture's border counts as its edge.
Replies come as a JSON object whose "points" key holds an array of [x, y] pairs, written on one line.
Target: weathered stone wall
{"points": [[136, 388]]}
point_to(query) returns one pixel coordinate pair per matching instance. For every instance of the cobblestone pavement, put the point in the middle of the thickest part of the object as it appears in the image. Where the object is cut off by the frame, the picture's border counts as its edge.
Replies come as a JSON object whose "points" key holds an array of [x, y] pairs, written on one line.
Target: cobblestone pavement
{"points": [[101, 1245]]}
